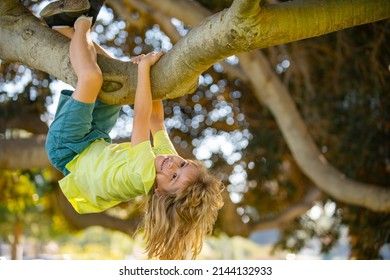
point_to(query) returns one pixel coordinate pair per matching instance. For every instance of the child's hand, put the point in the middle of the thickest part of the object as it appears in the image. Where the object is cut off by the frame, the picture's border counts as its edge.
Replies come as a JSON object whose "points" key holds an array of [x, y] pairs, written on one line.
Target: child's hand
{"points": [[148, 59]]}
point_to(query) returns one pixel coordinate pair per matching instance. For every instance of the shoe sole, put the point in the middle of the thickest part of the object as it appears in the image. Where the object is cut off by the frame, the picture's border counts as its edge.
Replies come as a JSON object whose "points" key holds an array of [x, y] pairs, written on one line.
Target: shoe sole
{"points": [[58, 8], [63, 14]]}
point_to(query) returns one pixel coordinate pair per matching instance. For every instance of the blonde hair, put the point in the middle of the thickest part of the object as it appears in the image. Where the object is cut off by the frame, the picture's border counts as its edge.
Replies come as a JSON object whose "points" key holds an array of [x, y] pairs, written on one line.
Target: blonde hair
{"points": [[175, 223]]}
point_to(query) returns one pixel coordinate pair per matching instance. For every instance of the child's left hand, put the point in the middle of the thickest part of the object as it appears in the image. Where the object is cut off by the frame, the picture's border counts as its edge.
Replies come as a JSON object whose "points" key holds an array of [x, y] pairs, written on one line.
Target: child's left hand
{"points": [[150, 58], [137, 59]]}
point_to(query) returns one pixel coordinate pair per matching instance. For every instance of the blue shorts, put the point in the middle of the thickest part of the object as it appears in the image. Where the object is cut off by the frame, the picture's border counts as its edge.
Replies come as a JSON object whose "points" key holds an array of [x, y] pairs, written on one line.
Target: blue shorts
{"points": [[76, 125]]}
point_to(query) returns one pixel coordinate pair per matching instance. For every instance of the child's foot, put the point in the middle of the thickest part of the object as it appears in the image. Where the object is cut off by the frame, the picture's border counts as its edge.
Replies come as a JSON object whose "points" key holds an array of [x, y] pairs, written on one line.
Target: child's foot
{"points": [[87, 20], [96, 5], [64, 12]]}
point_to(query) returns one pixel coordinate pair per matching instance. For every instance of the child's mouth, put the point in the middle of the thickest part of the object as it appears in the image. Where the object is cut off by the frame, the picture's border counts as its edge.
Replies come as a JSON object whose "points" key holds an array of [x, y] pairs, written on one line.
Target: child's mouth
{"points": [[162, 164]]}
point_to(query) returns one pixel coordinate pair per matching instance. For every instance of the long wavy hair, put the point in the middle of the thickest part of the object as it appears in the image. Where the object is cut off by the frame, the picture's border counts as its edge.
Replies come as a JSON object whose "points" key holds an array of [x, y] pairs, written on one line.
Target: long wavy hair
{"points": [[176, 223]]}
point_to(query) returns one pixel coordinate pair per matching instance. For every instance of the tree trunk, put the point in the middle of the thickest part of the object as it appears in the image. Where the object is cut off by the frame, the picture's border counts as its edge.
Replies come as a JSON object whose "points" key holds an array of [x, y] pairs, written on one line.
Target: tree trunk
{"points": [[15, 253]]}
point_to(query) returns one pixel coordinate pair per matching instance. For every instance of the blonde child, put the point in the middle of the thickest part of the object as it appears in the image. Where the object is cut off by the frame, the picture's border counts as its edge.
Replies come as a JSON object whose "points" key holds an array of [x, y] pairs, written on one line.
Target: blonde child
{"points": [[183, 197]]}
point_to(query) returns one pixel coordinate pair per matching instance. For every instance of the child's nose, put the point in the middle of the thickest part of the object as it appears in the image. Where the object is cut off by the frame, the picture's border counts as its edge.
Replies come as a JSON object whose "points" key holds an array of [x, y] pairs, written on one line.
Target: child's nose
{"points": [[172, 163]]}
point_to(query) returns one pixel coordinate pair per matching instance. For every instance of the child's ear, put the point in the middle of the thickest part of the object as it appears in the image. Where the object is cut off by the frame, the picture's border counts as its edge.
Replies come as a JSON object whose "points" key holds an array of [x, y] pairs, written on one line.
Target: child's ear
{"points": [[157, 191]]}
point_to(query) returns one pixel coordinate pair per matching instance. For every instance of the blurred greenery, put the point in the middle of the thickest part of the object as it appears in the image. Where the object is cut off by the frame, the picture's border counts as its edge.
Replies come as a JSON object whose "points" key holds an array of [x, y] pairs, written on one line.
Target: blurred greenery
{"points": [[97, 243]]}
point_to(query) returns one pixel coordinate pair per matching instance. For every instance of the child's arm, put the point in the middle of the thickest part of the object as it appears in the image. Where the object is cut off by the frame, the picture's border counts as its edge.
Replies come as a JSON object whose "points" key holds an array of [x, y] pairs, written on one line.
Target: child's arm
{"points": [[157, 117], [143, 98]]}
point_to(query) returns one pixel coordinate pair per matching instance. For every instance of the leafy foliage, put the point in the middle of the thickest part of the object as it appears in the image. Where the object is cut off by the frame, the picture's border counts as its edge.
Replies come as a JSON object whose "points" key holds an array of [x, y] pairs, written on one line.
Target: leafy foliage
{"points": [[342, 91]]}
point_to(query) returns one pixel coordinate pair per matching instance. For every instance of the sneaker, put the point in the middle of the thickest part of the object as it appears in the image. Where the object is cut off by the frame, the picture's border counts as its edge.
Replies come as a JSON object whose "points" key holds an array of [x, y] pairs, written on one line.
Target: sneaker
{"points": [[64, 12], [93, 12]]}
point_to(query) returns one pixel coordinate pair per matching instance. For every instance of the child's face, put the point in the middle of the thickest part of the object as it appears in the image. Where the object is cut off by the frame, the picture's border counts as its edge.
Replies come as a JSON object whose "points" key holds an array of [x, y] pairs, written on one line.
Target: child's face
{"points": [[173, 172]]}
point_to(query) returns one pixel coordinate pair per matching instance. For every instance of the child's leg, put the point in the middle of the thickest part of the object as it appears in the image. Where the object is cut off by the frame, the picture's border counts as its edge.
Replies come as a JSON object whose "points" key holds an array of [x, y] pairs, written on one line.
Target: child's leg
{"points": [[104, 116], [83, 59], [66, 31], [69, 31]]}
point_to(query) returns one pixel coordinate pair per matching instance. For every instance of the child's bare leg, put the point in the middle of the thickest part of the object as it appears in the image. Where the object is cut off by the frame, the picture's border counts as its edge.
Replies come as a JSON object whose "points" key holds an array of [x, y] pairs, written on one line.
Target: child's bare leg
{"points": [[83, 59], [69, 31]]}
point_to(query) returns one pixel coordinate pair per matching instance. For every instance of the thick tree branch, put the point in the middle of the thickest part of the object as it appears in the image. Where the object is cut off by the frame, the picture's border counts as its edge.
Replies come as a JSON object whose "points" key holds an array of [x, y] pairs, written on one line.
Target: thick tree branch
{"points": [[23, 153], [287, 215], [270, 90], [22, 114], [24, 38], [79, 221], [26, 153], [194, 15]]}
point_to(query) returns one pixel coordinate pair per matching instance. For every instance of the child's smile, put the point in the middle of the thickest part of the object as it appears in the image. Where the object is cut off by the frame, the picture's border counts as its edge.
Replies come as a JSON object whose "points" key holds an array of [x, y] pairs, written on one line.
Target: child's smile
{"points": [[173, 172]]}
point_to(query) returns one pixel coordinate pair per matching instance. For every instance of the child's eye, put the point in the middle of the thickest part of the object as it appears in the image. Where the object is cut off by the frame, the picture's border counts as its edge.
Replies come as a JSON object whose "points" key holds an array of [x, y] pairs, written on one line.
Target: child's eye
{"points": [[183, 164], [174, 176]]}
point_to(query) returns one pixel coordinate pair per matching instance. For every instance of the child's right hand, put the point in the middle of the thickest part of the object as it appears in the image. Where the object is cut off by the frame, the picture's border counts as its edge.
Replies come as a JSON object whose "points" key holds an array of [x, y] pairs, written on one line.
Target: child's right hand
{"points": [[147, 59]]}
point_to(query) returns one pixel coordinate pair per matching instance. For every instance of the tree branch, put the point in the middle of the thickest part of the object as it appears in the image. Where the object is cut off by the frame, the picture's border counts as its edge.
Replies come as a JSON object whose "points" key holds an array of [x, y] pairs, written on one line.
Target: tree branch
{"points": [[26, 153], [24, 38], [270, 90], [78, 221], [290, 213]]}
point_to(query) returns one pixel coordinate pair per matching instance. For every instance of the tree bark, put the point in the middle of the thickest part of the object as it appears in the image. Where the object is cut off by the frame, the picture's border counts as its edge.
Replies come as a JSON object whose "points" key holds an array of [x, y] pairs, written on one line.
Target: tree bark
{"points": [[15, 254], [23, 114], [82, 221], [244, 27], [271, 91], [290, 213], [26, 153]]}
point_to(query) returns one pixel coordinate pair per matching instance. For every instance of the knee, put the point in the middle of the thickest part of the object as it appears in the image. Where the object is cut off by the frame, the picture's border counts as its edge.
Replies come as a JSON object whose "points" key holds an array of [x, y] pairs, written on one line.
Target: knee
{"points": [[91, 76]]}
